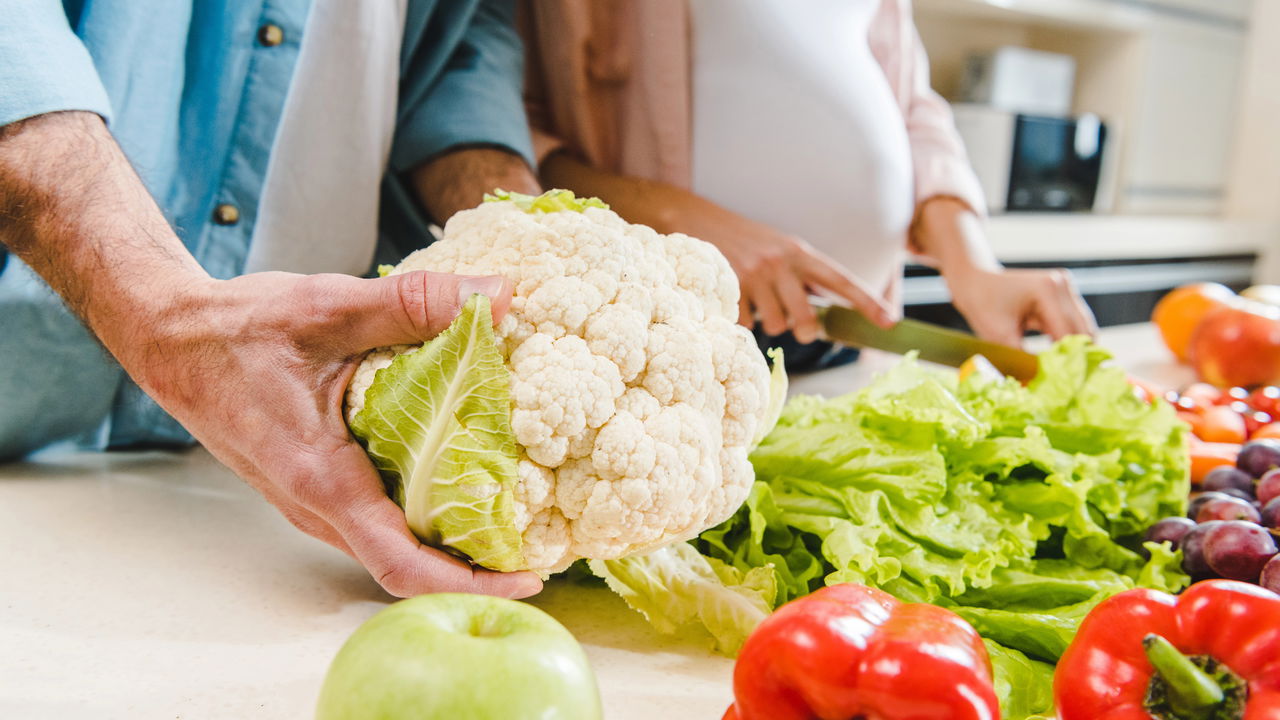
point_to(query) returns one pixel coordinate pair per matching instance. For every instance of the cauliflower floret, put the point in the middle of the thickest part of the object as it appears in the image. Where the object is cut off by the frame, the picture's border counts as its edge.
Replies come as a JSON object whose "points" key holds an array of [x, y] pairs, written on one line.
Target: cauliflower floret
{"points": [[559, 389], [634, 394]]}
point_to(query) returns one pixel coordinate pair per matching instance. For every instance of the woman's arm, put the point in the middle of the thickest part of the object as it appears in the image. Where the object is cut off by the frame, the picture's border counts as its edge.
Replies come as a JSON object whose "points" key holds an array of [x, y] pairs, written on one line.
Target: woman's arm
{"points": [[948, 229], [999, 304]]}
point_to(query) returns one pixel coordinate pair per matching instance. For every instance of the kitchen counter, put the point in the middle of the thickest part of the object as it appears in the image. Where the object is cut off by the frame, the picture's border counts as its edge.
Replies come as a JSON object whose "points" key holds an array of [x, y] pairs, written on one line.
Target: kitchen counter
{"points": [[157, 585]]}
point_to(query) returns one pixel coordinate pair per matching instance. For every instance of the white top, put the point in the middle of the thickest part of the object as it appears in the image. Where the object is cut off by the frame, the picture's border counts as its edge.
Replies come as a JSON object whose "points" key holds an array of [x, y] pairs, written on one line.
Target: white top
{"points": [[319, 209], [795, 126]]}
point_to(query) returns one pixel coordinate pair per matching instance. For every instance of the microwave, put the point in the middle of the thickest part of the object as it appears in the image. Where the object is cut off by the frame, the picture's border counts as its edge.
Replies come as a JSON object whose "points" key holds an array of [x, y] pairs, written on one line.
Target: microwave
{"points": [[1035, 163]]}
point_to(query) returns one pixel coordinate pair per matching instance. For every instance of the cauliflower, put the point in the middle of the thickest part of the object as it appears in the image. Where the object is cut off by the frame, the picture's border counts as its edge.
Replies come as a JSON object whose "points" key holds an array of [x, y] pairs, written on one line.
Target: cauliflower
{"points": [[633, 396]]}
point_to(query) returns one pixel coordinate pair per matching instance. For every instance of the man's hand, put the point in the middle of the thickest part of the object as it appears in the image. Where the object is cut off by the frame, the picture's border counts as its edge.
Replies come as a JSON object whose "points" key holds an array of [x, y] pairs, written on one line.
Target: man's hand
{"points": [[1000, 305], [254, 367]]}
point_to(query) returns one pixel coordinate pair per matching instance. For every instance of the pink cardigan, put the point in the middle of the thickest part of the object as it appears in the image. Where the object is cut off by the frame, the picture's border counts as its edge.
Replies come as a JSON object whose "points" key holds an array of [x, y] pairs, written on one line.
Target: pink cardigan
{"points": [[609, 81]]}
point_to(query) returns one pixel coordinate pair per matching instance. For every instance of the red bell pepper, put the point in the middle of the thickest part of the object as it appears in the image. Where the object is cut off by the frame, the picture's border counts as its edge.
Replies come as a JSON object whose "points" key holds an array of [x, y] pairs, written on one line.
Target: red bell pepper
{"points": [[849, 651], [1213, 653]]}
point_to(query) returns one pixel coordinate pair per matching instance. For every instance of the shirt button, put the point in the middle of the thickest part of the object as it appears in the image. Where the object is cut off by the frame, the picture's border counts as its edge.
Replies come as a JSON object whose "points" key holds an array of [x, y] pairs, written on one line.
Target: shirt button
{"points": [[226, 214], [270, 35]]}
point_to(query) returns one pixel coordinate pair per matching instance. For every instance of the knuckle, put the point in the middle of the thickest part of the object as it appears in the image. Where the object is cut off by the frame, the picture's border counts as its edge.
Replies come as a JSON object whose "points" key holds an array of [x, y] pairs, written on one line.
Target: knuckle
{"points": [[774, 258], [304, 521], [316, 301], [413, 293], [309, 485], [752, 267], [395, 581]]}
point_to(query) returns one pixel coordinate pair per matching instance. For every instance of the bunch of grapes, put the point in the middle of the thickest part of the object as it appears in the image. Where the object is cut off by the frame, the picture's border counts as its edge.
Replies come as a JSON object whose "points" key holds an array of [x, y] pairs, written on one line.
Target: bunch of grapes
{"points": [[1231, 526]]}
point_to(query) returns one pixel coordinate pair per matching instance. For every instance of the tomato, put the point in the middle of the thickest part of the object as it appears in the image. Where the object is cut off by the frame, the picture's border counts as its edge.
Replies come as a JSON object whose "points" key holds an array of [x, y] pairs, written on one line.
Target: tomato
{"points": [[1266, 399], [1234, 395], [1238, 345], [1222, 424], [1270, 430], [1255, 421], [1178, 313], [1206, 456], [1194, 419], [1203, 395]]}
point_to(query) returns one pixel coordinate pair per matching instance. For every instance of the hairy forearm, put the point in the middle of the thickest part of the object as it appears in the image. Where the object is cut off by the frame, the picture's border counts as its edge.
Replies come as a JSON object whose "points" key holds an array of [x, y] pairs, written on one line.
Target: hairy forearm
{"points": [[73, 209], [637, 200], [949, 234], [458, 180]]}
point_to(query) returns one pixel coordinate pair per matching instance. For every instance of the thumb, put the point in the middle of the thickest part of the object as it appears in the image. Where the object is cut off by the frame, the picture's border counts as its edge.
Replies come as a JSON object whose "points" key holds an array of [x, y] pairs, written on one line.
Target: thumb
{"points": [[416, 306]]}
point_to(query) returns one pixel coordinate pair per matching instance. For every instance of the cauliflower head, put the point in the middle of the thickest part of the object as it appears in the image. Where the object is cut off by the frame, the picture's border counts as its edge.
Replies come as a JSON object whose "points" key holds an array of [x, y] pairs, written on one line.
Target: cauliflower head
{"points": [[634, 397]]}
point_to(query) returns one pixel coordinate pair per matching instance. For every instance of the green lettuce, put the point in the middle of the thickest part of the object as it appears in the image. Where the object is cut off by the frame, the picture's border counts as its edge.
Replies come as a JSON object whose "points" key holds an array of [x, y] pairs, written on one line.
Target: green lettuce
{"points": [[677, 587], [548, 202], [437, 424], [1020, 508], [1024, 686]]}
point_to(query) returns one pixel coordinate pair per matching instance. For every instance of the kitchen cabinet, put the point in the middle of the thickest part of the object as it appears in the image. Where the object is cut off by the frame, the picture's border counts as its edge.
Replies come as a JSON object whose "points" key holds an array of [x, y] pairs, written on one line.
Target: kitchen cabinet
{"points": [[1164, 74]]}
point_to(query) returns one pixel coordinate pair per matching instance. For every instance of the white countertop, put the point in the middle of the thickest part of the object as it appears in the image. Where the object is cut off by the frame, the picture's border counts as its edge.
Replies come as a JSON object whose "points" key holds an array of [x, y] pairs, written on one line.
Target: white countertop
{"points": [[157, 585]]}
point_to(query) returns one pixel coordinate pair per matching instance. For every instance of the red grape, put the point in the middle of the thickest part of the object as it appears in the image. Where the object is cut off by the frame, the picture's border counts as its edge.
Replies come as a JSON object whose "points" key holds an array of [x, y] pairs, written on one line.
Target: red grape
{"points": [[1193, 560], [1237, 550], [1270, 515], [1198, 501], [1229, 508], [1268, 486], [1225, 476], [1271, 575], [1259, 456], [1170, 530]]}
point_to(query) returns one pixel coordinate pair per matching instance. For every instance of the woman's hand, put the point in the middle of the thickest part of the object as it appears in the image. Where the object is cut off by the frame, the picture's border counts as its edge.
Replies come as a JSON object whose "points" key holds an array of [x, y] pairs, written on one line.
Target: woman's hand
{"points": [[777, 272], [1003, 305], [1000, 304]]}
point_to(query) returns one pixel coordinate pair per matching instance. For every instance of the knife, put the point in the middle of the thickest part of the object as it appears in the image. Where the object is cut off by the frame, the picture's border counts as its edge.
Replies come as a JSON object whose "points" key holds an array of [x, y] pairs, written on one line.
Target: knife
{"points": [[933, 342]]}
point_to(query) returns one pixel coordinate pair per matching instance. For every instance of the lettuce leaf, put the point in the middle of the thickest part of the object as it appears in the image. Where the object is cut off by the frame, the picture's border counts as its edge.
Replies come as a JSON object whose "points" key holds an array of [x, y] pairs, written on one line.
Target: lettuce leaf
{"points": [[677, 587], [777, 395], [1020, 508], [1024, 686], [437, 424], [548, 202]]}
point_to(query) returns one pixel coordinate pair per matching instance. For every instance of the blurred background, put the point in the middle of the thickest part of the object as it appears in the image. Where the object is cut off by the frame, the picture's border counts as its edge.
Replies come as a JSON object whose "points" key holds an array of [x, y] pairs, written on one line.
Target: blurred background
{"points": [[1132, 141]]}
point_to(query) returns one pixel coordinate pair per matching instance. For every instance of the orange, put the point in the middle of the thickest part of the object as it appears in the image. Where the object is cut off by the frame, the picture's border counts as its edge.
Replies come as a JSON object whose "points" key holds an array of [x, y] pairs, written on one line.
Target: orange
{"points": [[1178, 313]]}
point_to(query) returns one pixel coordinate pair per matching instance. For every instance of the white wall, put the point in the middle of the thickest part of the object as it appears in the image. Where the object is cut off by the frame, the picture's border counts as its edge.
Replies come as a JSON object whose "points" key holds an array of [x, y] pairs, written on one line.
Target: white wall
{"points": [[1253, 192]]}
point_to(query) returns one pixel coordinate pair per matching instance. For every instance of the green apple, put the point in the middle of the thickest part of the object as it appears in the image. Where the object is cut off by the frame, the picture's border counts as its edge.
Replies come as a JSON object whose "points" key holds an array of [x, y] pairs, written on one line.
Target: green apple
{"points": [[460, 657]]}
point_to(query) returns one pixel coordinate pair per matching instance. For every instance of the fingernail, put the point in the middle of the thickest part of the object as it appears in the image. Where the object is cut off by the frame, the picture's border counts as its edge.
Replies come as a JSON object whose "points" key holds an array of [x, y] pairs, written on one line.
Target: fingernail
{"points": [[490, 286], [529, 586]]}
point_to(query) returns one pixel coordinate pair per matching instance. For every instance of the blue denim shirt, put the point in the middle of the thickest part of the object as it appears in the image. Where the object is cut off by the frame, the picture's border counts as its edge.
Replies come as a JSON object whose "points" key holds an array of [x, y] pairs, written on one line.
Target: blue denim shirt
{"points": [[194, 98]]}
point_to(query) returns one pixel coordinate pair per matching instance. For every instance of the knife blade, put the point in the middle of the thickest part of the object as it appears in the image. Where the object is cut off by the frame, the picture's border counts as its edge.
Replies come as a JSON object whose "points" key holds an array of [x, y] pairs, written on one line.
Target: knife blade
{"points": [[933, 342]]}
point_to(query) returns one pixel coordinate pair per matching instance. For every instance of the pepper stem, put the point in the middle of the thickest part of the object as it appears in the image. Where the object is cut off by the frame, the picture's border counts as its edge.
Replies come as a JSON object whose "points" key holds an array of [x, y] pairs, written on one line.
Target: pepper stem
{"points": [[1191, 692]]}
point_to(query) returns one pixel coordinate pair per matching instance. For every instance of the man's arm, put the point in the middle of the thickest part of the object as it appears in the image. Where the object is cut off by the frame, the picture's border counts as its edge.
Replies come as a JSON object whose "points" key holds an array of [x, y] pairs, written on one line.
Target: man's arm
{"points": [[459, 179], [254, 367], [463, 132], [73, 209]]}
